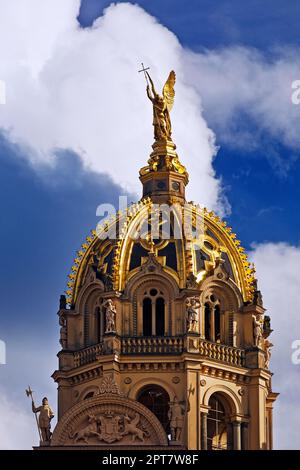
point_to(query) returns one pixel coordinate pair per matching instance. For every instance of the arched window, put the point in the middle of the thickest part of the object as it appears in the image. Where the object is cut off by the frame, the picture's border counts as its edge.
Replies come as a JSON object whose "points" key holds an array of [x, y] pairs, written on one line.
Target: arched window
{"points": [[218, 426], [89, 395], [147, 317], [212, 320], [99, 324], [156, 399], [154, 313]]}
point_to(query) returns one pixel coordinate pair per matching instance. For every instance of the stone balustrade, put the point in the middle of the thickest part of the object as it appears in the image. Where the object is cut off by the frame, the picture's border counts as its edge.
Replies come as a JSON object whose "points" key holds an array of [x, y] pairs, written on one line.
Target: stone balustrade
{"points": [[222, 352], [87, 355], [164, 345], [152, 345]]}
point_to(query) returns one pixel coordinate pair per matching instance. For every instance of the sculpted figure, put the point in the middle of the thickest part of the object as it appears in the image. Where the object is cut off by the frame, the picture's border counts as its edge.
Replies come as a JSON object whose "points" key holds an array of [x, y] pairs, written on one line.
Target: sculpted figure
{"points": [[257, 330], [192, 304], [45, 416], [162, 105], [110, 316], [63, 331], [176, 417], [268, 345], [90, 430], [131, 427]]}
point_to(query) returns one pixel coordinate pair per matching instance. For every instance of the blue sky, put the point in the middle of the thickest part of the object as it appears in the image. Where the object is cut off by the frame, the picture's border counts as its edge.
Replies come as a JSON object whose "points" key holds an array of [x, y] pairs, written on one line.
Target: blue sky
{"points": [[48, 210], [205, 23], [270, 204]]}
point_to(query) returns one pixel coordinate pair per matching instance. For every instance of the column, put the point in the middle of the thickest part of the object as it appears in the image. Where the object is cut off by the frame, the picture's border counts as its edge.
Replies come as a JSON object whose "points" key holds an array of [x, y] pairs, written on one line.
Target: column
{"points": [[212, 324], [244, 436], [236, 435], [203, 431], [229, 436], [270, 424], [153, 317]]}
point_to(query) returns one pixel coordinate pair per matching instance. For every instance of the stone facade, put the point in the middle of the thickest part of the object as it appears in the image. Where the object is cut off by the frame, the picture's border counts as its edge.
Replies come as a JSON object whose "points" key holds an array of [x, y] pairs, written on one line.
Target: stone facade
{"points": [[164, 339]]}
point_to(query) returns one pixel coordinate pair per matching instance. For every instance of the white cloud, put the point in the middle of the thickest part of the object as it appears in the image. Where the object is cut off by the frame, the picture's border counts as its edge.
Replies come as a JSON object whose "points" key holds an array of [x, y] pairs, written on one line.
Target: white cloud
{"points": [[278, 275], [239, 82], [69, 87]]}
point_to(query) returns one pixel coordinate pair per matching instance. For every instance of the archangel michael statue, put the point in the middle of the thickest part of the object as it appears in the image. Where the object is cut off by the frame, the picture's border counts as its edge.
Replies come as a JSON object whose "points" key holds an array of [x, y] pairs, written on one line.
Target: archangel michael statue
{"points": [[162, 106]]}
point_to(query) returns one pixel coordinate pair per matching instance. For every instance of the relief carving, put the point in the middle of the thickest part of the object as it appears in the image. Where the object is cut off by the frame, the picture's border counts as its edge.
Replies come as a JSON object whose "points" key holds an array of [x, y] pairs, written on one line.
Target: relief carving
{"points": [[91, 429], [109, 418], [110, 427]]}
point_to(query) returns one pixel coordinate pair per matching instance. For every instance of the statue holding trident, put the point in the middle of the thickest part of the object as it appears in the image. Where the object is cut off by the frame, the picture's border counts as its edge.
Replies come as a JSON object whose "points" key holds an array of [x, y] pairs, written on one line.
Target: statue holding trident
{"points": [[162, 105]]}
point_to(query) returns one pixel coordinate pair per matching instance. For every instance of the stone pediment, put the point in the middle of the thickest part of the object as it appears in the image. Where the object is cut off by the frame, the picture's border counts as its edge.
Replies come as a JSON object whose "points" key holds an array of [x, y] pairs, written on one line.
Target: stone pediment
{"points": [[109, 419]]}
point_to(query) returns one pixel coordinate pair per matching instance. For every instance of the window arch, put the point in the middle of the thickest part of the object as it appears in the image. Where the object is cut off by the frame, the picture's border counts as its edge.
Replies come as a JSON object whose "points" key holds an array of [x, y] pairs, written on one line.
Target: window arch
{"points": [[93, 321], [100, 325], [154, 313], [219, 429], [212, 319], [156, 399]]}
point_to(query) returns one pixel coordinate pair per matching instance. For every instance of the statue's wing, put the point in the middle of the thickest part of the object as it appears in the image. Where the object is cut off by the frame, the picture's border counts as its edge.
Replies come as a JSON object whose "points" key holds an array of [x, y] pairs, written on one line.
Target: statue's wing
{"points": [[168, 90]]}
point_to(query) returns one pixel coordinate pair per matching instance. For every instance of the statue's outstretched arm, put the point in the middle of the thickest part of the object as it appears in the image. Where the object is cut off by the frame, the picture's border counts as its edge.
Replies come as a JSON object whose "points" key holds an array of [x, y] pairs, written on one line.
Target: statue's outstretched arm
{"points": [[152, 84], [34, 409], [149, 94]]}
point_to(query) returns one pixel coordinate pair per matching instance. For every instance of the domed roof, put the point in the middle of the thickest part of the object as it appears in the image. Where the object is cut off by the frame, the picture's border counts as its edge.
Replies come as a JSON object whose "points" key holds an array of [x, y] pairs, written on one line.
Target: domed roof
{"points": [[122, 244], [188, 248]]}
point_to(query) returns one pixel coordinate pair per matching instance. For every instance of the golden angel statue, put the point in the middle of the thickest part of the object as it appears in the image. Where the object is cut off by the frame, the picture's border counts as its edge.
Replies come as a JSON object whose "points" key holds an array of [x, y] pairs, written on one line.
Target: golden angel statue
{"points": [[162, 106]]}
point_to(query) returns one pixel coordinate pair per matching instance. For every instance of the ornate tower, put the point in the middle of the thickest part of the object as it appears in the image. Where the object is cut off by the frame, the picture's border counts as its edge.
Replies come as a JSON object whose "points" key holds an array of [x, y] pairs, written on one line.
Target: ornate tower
{"points": [[163, 331]]}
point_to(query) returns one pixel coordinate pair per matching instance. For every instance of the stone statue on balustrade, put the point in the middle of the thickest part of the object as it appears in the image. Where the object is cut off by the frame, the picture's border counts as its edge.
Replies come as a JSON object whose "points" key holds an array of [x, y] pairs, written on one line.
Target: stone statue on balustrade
{"points": [[257, 330], [192, 305], [110, 316]]}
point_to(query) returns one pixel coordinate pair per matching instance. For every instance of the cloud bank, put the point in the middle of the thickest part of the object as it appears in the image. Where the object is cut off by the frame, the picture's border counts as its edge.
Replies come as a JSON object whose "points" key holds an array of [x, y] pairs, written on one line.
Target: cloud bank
{"points": [[75, 88], [278, 275], [247, 97]]}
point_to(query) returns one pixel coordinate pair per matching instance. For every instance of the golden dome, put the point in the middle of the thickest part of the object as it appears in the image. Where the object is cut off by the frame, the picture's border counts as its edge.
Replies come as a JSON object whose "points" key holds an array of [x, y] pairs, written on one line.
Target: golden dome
{"points": [[117, 253]]}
